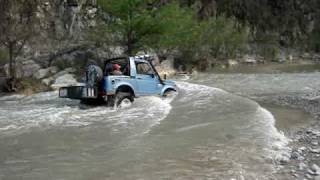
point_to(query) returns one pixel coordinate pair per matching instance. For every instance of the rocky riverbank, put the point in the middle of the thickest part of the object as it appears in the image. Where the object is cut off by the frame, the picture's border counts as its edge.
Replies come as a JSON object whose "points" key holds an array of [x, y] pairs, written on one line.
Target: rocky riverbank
{"points": [[304, 161]]}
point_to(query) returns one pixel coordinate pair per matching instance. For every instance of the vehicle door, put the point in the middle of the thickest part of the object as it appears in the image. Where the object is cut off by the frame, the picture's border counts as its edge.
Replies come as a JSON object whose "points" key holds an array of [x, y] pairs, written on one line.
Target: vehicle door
{"points": [[147, 80]]}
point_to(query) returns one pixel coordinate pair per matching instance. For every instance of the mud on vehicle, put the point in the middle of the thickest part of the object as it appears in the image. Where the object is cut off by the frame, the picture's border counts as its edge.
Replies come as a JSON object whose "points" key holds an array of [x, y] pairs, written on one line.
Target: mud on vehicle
{"points": [[120, 81]]}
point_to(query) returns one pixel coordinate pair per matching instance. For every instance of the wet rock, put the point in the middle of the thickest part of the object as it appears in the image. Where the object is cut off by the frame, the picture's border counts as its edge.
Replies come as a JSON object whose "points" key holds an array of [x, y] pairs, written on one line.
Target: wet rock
{"points": [[315, 169], [302, 149], [317, 151], [314, 143], [295, 175], [283, 160], [308, 176], [309, 131], [295, 155], [302, 166]]}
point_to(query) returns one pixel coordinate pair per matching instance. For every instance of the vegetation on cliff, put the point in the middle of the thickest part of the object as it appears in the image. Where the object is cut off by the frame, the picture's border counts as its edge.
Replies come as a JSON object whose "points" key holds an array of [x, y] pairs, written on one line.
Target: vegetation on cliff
{"points": [[195, 32]]}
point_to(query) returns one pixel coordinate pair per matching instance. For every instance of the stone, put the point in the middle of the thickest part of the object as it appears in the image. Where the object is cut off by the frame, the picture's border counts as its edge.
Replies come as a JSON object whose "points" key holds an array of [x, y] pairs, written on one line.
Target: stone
{"points": [[283, 160], [41, 73], [309, 131], [317, 151], [23, 69], [295, 175], [295, 155], [308, 176], [232, 63], [166, 67], [314, 143], [168, 63], [28, 68], [302, 166], [64, 80], [92, 12], [53, 69], [302, 149], [316, 169], [65, 71], [249, 60], [47, 81]]}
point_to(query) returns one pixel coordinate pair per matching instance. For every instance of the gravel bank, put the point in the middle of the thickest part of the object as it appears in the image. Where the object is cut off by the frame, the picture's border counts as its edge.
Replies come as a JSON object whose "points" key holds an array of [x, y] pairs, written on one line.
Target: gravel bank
{"points": [[304, 162]]}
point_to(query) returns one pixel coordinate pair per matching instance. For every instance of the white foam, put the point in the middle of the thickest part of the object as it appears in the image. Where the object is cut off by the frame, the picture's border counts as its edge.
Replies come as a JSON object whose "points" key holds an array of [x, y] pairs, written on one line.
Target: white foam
{"points": [[45, 110], [264, 122], [277, 141]]}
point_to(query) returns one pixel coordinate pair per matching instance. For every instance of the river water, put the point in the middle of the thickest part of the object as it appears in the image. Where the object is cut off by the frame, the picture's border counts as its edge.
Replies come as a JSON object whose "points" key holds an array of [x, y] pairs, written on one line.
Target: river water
{"points": [[204, 132]]}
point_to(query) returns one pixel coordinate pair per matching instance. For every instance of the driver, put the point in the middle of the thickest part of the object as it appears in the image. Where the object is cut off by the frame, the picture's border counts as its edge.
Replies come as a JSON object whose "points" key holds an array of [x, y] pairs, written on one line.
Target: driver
{"points": [[116, 69]]}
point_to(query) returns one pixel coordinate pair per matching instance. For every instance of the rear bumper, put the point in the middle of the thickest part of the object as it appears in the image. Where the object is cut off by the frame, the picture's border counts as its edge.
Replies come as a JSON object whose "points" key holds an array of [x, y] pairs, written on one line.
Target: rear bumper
{"points": [[78, 92]]}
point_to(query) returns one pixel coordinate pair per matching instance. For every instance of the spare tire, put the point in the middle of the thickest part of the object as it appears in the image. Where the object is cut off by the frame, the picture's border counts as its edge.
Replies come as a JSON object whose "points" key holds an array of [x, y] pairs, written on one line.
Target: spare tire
{"points": [[94, 75]]}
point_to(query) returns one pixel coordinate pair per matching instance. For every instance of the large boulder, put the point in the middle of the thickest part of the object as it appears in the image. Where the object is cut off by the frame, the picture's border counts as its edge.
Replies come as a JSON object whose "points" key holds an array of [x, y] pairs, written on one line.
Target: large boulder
{"points": [[166, 67], [231, 63], [47, 81], [64, 80], [24, 69], [42, 73], [249, 59], [65, 71]]}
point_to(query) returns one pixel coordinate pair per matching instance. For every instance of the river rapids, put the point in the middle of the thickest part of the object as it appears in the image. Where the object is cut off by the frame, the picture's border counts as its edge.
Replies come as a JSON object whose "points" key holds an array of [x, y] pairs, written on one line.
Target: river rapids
{"points": [[201, 133]]}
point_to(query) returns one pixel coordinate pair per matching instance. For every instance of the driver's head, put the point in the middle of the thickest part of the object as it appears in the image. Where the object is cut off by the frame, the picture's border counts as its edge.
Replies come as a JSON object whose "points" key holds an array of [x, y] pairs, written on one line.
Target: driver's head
{"points": [[116, 67]]}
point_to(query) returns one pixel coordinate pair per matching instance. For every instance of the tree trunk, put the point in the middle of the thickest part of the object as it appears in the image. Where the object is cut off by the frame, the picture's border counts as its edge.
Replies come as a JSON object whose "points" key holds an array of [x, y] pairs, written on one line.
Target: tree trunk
{"points": [[11, 81], [11, 62], [129, 44]]}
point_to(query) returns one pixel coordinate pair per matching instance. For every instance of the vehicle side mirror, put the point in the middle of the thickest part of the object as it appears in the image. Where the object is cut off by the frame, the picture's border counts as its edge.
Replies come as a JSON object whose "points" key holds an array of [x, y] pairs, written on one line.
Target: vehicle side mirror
{"points": [[165, 76]]}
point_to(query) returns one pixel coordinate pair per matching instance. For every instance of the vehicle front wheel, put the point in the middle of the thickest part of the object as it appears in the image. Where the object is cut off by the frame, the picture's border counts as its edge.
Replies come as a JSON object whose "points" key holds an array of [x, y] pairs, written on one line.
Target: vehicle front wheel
{"points": [[124, 99], [169, 93]]}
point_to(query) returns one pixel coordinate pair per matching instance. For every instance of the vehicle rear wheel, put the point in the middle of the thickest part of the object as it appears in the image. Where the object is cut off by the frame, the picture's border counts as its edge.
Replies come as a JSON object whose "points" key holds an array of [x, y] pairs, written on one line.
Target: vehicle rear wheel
{"points": [[124, 99]]}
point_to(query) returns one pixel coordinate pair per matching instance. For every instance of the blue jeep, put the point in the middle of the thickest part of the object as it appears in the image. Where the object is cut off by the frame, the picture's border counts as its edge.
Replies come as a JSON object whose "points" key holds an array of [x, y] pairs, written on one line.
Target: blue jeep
{"points": [[120, 81]]}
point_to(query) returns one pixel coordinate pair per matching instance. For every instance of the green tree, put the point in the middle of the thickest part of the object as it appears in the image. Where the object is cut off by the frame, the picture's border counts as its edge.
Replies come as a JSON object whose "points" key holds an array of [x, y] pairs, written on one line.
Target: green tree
{"points": [[131, 21], [222, 37], [142, 24], [178, 29]]}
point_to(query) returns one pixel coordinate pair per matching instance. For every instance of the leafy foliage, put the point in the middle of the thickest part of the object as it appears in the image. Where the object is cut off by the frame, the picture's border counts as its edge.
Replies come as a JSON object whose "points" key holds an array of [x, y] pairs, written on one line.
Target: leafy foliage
{"points": [[132, 20], [222, 38]]}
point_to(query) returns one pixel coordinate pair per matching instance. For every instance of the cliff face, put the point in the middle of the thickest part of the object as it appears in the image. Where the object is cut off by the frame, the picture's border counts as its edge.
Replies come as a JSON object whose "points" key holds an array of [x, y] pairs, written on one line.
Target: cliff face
{"points": [[62, 24]]}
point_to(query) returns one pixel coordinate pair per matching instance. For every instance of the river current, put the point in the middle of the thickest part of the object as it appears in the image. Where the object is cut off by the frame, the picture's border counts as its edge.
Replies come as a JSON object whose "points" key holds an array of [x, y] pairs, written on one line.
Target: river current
{"points": [[203, 132]]}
